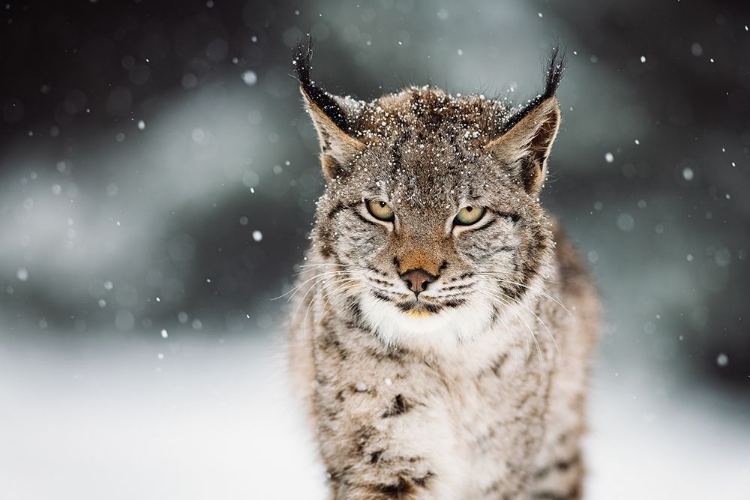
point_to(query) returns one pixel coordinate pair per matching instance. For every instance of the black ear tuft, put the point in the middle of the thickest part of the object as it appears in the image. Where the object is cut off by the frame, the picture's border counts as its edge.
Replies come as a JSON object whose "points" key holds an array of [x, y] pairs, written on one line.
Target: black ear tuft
{"points": [[555, 70], [553, 77], [302, 61]]}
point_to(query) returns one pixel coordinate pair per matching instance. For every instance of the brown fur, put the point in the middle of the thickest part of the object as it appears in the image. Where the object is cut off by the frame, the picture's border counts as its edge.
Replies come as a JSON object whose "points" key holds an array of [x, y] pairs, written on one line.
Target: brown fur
{"points": [[475, 388]]}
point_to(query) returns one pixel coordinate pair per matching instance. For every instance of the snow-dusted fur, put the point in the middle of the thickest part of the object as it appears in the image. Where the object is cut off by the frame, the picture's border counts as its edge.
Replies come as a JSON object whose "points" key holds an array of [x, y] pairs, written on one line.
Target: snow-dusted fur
{"points": [[475, 387]]}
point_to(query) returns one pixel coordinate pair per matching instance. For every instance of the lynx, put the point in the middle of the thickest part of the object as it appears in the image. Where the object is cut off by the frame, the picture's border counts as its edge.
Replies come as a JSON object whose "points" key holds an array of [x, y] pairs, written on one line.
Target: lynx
{"points": [[443, 325]]}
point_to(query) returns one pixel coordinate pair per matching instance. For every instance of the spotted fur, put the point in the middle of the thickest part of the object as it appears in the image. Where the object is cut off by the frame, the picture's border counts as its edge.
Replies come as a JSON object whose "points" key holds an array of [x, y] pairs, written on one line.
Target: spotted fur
{"points": [[475, 388]]}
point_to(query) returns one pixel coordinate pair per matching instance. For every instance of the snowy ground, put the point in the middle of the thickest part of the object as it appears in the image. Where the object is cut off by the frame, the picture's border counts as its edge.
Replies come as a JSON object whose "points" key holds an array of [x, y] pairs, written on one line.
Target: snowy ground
{"points": [[211, 418]]}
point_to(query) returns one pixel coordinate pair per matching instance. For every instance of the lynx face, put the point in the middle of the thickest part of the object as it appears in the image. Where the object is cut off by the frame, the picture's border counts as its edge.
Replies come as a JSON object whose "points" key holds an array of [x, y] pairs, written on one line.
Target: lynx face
{"points": [[430, 226]]}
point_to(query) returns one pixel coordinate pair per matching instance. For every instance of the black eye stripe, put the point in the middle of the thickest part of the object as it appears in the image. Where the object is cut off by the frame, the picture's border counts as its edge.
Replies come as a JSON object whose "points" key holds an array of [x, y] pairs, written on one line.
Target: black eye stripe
{"points": [[488, 225], [356, 212], [340, 207]]}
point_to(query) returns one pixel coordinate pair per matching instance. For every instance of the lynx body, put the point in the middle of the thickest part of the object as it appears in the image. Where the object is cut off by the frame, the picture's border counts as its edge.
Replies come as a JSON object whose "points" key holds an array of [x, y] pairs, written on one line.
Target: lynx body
{"points": [[443, 326]]}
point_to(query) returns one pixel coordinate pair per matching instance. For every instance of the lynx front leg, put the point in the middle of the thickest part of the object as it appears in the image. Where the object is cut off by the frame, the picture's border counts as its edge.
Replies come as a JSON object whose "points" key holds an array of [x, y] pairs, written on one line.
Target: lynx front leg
{"points": [[384, 426], [559, 467], [383, 442], [407, 480], [390, 455], [561, 479]]}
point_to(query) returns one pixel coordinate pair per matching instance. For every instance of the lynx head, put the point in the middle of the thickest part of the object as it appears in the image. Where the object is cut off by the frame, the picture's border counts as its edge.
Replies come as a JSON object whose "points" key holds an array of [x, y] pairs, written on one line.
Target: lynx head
{"points": [[430, 227]]}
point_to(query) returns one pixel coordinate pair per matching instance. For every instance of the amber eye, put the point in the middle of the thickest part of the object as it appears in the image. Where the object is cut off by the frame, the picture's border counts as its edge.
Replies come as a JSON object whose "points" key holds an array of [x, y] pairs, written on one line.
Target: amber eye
{"points": [[468, 216], [380, 210]]}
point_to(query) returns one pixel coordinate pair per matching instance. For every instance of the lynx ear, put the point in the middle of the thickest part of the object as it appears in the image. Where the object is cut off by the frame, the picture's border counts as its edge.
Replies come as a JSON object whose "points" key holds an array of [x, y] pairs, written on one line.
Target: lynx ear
{"points": [[527, 138], [329, 115]]}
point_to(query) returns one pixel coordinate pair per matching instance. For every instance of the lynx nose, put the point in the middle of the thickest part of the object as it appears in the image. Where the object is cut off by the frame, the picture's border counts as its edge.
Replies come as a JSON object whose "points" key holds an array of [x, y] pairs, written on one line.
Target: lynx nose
{"points": [[418, 279]]}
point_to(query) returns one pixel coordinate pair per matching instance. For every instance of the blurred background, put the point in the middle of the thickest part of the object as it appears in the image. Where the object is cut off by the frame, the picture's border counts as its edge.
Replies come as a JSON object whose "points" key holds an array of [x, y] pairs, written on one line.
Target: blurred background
{"points": [[158, 178]]}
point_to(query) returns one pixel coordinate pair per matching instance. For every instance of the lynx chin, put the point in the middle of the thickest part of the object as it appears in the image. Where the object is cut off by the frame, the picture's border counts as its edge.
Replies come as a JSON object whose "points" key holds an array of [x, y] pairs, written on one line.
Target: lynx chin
{"points": [[443, 326]]}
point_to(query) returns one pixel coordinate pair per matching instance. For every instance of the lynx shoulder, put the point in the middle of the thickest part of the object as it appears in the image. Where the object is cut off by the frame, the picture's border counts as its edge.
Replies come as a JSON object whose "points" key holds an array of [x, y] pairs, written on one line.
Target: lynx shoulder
{"points": [[443, 325]]}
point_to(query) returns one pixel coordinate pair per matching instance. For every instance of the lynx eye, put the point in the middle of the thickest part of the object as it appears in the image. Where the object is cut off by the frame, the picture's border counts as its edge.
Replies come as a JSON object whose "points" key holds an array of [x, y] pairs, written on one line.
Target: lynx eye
{"points": [[380, 210], [468, 216]]}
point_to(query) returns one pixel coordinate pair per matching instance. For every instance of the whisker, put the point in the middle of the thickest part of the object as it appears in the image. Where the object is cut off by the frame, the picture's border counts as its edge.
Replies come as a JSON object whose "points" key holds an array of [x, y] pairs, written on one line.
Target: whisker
{"points": [[499, 300], [446, 297], [327, 296], [495, 312], [501, 318], [298, 287], [321, 290], [531, 332], [525, 306], [503, 279], [522, 304], [312, 287], [505, 324], [387, 291]]}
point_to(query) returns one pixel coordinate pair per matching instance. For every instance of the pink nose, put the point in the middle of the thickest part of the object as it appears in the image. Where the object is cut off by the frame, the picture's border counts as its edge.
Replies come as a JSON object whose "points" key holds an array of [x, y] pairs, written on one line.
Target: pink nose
{"points": [[418, 279]]}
